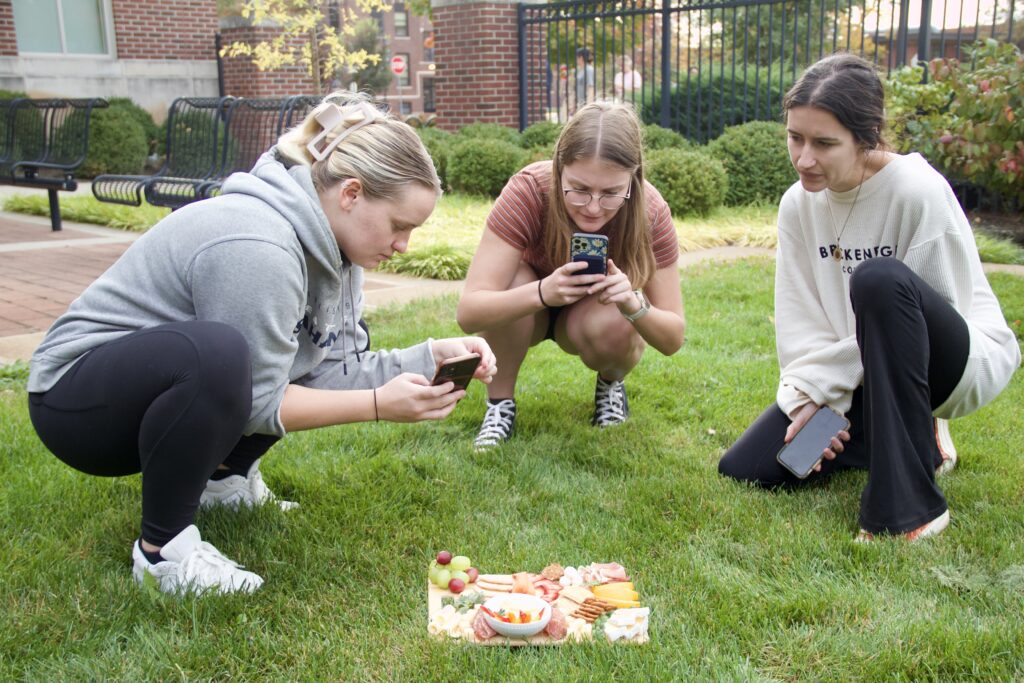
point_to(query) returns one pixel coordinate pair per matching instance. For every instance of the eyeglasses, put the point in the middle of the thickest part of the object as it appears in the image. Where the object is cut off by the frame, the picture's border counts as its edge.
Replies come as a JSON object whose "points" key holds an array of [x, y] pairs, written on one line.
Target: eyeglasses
{"points": [[608, 202]]}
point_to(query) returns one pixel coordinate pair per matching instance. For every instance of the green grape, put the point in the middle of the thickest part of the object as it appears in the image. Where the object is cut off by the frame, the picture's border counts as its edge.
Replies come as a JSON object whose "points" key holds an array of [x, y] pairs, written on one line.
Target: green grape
{"points": [[442, 577], [462, 576], [460, 563], [434, 568]]}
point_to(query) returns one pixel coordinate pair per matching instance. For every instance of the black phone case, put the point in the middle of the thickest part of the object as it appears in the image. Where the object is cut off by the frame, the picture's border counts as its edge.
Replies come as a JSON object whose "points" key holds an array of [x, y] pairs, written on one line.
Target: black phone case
{"points": [[460, 373], [801, 454], [593, 249]]}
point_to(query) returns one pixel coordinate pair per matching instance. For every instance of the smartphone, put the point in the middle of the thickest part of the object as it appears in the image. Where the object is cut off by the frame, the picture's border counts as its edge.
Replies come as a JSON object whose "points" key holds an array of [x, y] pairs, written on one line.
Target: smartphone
{"points": [[593, 249], [800, 455], [459, 370]]}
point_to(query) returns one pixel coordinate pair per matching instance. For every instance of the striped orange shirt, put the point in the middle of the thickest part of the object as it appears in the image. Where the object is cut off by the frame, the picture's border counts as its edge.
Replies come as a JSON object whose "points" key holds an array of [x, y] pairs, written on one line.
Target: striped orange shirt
{"points": [[520, 213]]}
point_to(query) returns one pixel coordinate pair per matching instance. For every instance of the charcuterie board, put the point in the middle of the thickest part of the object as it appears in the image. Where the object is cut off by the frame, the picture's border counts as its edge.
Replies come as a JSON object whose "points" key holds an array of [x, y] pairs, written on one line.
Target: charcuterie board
{"points": [[583, 606]]}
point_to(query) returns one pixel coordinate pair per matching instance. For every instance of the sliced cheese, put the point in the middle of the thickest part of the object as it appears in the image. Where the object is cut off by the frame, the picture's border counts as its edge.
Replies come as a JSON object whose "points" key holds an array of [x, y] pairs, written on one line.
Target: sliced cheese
{"points": [[618, 603]]}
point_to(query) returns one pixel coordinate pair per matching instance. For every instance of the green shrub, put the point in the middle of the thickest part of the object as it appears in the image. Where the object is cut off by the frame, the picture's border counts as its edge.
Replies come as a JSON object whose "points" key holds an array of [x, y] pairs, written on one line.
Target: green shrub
{"points": [[117, 143], [968, 120], [541, 134], [483, 166], [705, 105], [438, 143], [149, 126], [542, 153], [193, 151], [490, 131], [656, 137], [691, 181], [439, 262], [756, 160]]}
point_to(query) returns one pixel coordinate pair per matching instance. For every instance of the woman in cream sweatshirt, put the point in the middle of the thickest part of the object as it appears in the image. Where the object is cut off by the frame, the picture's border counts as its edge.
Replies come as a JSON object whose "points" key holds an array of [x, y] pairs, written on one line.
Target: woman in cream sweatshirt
{"points": [[882, 311]]}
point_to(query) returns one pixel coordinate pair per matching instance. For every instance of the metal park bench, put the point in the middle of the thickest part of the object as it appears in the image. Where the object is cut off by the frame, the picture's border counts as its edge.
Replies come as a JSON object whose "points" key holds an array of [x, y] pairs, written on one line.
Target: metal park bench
{"points": [[229, 142], [253, 127], [196, 127], [42, 144]]}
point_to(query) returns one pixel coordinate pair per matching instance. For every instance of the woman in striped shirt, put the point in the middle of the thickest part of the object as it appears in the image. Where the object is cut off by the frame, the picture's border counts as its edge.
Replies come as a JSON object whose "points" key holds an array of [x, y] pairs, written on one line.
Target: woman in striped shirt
{"points": [[522, 287]]}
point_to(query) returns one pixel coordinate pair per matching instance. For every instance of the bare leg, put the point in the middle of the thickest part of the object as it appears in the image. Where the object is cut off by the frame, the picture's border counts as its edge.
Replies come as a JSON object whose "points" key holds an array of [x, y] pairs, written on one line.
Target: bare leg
{"points": [[601, 337], [511, 342]]}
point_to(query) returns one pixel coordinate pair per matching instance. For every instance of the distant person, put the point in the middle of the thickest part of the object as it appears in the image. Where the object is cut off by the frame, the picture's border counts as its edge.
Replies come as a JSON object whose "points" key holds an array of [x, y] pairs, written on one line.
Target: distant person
{"points": [[236, 320], [627, 80], [522, 288], [882, 311], [586, 80]]}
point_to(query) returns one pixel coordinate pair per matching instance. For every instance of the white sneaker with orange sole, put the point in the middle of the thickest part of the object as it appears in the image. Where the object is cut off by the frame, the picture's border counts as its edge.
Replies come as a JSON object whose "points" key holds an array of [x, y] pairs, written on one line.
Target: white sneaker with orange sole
{"points": [[932, 528]]}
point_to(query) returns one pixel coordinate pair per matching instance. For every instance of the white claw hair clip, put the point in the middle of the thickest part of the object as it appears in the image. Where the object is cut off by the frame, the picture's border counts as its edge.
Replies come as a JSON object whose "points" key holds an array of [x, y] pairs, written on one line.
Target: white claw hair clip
{"points": [[331, 117]]}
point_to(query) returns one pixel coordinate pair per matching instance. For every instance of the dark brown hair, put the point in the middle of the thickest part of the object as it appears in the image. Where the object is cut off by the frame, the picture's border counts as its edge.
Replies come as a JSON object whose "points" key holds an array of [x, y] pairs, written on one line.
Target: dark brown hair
{"points": [[848, 87]]}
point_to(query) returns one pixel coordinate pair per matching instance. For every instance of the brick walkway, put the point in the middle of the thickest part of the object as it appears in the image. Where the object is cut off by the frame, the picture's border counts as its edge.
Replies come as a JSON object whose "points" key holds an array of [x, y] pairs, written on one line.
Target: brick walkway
{"points": [[41, 273]]}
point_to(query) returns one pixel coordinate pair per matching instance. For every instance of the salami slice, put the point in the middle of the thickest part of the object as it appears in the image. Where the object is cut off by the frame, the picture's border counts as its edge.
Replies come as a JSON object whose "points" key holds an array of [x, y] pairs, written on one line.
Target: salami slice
{"points": [[558, 625], [481, 628]]}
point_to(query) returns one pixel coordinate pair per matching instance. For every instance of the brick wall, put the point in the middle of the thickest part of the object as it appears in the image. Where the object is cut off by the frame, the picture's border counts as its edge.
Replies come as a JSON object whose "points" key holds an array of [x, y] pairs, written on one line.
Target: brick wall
{"points": [[243, 79], [165, 29], [8, 41], [477, 64]]}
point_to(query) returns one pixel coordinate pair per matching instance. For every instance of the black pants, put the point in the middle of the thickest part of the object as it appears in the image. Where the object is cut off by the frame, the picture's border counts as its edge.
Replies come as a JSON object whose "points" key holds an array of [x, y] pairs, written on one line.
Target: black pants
{"points": [[914, 348], [168, 401]]}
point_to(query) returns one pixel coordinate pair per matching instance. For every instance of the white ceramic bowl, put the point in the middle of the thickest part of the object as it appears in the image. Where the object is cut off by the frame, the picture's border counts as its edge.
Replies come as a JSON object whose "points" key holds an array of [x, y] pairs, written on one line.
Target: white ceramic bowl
{"points": [[520, 601]]}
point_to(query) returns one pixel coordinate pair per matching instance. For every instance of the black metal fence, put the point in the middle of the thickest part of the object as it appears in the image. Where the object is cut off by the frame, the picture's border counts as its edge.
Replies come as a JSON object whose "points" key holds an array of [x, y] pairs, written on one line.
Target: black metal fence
{"points": [[698, 66]]}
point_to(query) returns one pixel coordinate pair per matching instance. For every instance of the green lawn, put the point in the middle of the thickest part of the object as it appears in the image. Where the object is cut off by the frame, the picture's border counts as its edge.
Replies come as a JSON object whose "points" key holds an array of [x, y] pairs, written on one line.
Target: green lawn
{"points": [[743, 584]]}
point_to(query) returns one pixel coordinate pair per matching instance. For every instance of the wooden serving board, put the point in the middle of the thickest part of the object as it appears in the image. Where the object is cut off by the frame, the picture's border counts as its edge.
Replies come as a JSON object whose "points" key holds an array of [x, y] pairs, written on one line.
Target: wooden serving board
{"points": [[434, 595]]}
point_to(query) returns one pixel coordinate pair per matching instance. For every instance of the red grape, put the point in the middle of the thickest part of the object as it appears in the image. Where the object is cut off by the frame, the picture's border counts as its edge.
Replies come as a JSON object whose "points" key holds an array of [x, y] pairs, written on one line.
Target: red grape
{"points": [[456, 585], [444, 557], [473, 573]]}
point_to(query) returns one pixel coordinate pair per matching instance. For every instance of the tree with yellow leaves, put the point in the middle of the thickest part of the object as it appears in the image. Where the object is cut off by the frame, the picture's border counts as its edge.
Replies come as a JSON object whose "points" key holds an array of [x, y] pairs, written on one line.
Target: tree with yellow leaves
{"points": [[310, 35]]}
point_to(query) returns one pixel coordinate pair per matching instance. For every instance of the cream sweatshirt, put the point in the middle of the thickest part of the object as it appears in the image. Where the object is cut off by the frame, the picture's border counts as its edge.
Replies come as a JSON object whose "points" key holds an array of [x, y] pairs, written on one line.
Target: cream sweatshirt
{"points": [[906, 210]]}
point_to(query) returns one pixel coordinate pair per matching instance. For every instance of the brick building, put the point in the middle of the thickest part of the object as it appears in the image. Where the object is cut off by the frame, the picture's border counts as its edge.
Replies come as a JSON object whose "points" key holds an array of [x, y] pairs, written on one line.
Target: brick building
{"points": [[149, 50], [463, 65]]}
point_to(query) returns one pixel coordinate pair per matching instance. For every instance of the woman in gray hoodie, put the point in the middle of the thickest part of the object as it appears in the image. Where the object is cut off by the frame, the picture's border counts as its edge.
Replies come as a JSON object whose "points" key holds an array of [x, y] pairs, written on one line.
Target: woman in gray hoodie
{"points": [[237, 319]]}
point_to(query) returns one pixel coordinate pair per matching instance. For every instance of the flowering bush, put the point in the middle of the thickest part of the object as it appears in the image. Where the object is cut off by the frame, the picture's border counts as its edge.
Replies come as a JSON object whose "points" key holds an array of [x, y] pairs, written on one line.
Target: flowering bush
{"points": [[969, 121]]}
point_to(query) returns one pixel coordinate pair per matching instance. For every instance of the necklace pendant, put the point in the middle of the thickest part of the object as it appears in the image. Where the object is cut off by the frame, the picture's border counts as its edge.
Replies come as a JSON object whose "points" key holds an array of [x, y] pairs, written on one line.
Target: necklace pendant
{"points": [[837, 253]]}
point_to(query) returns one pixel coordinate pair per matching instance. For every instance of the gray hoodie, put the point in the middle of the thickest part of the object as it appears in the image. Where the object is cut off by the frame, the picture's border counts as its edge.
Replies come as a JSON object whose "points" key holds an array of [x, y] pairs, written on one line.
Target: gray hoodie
{"points": [[260, 257]]}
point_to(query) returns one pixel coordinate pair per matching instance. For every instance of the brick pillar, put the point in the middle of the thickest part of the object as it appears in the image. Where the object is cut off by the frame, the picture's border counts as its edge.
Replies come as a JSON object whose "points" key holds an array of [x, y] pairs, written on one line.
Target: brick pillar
{"points": [[476, 53], [243, 79], [8, 41]]}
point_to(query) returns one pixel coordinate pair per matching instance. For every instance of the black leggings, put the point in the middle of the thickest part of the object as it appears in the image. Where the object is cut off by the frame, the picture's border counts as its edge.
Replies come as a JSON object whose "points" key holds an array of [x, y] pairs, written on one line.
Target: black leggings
{"points": [[914, 349], [168, 401]]}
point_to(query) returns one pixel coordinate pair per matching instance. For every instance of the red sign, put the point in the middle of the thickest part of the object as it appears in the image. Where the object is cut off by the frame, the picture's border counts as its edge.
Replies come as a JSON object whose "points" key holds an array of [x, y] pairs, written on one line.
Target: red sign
{"points": [[398, 65]]}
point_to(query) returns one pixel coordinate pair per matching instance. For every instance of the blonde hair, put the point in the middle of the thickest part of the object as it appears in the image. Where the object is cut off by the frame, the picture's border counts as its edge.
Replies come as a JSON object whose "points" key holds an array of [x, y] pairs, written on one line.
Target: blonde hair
{"points": [[385, 156], [610, 132]]}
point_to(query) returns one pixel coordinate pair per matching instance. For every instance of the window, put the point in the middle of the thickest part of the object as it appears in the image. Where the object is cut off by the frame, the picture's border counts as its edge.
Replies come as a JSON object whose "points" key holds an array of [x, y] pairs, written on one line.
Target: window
{"points": [[428, 94], [405, 108], [401, 21], [403, 78], [42, 26]]}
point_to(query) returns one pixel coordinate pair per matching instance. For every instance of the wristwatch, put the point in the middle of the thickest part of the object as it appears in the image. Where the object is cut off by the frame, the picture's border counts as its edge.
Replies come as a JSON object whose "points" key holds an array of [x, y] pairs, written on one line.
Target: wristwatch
{"points": [[645, 306]]}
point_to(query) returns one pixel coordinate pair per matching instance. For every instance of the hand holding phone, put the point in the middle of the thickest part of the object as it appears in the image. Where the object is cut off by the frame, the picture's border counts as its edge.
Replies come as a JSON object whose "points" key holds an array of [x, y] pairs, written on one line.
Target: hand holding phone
{"points": [[801, 455], [592, 249], [458, 370]]}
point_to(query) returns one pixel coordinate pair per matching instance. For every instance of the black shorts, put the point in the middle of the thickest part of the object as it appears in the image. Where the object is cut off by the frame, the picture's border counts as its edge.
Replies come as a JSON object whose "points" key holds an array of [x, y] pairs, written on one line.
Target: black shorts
{"points": [[553, 313]]}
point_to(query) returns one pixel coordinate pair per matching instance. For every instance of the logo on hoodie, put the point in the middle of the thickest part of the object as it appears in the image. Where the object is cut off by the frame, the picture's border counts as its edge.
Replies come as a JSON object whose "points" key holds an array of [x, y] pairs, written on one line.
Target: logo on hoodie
{"points": [[321, 337]]}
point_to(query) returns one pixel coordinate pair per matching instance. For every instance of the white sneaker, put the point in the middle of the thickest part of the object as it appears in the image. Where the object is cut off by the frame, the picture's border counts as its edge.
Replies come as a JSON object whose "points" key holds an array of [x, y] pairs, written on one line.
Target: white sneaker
{"points": [[236, 491], [192, 565], [946, 448], [932, 528]]}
